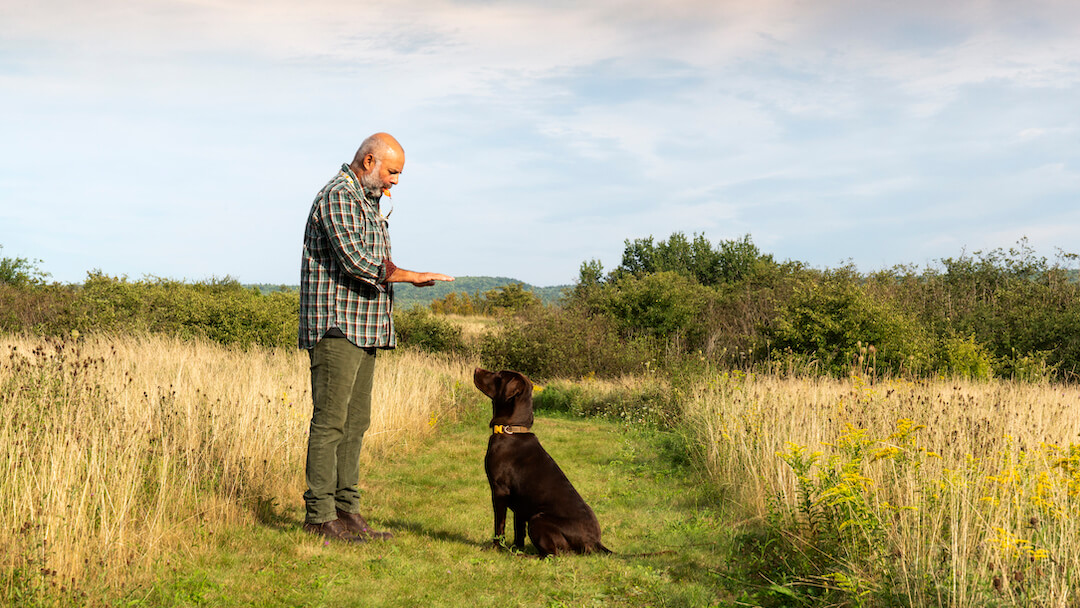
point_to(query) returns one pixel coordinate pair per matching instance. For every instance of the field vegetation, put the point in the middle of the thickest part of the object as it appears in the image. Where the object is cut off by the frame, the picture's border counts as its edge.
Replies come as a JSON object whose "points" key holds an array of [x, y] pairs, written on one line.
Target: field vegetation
{"points": [[903, 438], [928, 493], [120, 450]]}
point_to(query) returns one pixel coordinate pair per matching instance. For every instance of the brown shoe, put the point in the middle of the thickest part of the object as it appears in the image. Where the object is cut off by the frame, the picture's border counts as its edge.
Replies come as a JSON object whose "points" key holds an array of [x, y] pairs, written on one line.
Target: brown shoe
{"points": [[355, 523], [334, 530]]}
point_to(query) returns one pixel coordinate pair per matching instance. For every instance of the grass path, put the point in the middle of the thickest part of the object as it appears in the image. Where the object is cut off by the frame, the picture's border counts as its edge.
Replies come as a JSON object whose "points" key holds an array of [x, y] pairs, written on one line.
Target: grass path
{"points": [[436, 499]]}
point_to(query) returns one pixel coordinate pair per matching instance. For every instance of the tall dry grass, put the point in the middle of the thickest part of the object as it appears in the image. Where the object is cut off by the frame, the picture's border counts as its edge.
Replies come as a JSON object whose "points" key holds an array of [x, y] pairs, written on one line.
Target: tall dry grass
{"points": [[940, 493], [116, 452], [473, 327]]}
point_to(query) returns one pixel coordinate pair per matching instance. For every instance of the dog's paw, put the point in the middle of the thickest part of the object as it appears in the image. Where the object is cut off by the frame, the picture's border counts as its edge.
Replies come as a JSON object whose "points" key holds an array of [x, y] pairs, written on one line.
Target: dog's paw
{"points": [[496, 544]]}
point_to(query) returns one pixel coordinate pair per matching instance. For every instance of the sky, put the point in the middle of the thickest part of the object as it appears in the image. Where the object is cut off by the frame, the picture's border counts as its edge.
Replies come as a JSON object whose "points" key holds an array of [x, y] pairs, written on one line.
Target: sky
{"points": [[186, 139]]}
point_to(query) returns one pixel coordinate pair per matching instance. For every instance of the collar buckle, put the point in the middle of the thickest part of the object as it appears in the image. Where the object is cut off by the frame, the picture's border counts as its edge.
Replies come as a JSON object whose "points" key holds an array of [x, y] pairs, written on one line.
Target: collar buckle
{"points": [[509, 429]]}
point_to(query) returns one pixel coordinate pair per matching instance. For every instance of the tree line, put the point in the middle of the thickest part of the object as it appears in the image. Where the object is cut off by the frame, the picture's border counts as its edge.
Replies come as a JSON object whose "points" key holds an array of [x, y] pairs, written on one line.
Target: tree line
{"points": [[682, 301], [670, 304]]}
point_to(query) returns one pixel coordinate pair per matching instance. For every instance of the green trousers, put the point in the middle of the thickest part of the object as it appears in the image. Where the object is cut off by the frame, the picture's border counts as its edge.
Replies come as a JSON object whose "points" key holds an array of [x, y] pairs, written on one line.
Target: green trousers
{"points": [[341, 380]]}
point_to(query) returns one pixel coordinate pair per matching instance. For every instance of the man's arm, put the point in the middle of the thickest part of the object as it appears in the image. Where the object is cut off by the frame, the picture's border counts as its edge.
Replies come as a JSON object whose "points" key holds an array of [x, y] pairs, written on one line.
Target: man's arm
{"points": [[419, 279], [352, 241]]}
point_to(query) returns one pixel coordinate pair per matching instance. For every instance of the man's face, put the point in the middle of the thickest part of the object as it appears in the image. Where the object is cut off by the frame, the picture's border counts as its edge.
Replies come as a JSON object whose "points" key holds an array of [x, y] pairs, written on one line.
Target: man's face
{"points": [[382, 173]]}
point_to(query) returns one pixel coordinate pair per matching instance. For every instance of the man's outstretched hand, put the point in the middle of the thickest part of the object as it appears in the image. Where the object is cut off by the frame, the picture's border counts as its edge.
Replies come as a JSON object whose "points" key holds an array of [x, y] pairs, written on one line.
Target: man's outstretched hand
{"points": [[419, 279], [427, 279]]}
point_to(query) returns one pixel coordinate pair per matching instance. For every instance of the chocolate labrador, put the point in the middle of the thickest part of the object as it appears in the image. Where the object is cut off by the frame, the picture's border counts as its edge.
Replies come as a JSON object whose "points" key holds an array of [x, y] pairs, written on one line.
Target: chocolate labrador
{"points": [[525, 479]]}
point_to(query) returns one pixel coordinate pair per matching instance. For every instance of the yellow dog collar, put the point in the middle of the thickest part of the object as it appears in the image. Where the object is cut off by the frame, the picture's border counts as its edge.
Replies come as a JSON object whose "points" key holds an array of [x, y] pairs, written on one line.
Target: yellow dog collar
{"points": [[509, 429]]}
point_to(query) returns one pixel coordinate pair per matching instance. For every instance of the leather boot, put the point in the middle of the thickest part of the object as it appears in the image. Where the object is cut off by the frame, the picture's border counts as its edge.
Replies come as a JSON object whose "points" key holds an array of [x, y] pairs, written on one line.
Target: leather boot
{"points": [[355, 523], [334, 530]]}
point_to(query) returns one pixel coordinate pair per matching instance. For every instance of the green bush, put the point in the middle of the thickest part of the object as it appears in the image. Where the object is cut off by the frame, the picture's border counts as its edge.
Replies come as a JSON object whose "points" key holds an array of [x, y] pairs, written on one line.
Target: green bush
{"points": [[1032, 367], [20, 272], [512, 298], [651, 403], [1013, 303], [728, 262], [665, 307], [418, 327], [219, 309], [457, 304], [562, 343], [966, 358], [233, 315], [836, 321], [39, 310], [557, 397]]}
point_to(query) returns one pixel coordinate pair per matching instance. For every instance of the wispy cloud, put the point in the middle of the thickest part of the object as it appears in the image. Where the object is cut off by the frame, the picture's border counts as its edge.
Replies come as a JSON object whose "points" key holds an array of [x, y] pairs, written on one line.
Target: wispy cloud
{"points": [[538, 135]]}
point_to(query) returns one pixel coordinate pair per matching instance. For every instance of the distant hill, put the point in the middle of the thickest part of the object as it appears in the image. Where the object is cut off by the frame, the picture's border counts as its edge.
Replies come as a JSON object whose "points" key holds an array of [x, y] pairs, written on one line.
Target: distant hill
{"points": [[407, 296], [266, 288]]}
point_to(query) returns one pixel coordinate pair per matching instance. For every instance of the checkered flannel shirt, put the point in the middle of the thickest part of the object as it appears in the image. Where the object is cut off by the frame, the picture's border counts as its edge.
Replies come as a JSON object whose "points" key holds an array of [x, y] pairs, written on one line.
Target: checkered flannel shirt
{"points": [[345, 264]]}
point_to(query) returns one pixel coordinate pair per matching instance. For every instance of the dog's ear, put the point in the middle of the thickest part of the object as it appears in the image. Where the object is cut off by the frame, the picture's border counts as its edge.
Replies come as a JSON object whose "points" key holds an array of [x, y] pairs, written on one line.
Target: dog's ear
{"points": [[516, 385], [485, 381]]}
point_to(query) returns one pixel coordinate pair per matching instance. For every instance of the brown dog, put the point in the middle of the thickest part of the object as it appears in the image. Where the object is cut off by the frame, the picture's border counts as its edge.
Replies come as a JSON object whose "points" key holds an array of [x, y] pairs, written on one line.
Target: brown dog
{"points": [[525, 479]]}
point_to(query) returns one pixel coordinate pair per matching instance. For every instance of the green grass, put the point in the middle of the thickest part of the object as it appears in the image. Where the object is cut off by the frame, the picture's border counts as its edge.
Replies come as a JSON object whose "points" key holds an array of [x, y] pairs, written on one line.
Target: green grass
{"points": [[436, 500]]}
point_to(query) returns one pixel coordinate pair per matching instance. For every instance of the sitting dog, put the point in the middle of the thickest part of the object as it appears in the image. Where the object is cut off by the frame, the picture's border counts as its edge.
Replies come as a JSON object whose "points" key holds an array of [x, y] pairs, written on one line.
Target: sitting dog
{"points": [[525, 479]]}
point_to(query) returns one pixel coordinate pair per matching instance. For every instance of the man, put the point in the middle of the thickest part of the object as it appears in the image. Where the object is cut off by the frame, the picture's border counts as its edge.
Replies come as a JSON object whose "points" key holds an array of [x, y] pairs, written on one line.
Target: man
{"points": [[346, 299]]}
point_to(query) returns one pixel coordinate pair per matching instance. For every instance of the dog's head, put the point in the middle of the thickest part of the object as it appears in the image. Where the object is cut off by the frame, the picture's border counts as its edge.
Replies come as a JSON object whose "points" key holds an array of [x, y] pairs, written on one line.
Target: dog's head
{"points": [[511, 395]]}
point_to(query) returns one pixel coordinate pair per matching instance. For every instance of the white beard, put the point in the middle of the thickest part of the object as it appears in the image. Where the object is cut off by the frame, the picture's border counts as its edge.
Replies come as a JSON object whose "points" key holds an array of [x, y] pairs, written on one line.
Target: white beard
{"points": [[371, 185]]}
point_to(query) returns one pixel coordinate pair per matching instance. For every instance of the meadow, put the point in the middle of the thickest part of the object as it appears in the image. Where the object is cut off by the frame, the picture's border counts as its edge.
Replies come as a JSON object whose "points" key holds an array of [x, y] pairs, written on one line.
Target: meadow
{"points": [[118, 451], [931, 493], [790, 436], [124, 454]]}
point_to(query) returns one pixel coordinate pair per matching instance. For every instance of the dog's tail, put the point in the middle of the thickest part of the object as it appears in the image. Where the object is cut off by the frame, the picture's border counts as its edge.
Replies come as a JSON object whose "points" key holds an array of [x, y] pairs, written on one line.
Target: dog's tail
{"points": [[603, 549]]}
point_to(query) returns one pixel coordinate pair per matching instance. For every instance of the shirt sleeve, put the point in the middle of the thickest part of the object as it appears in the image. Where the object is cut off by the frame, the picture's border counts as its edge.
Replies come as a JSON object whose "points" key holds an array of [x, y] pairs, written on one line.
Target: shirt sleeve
{"points": [[388, 269], [352, 244]]}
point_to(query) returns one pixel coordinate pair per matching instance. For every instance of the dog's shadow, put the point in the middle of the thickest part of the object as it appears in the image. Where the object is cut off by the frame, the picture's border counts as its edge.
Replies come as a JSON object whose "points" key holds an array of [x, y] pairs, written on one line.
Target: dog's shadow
{"points": [[453, 537], [440, 535]]}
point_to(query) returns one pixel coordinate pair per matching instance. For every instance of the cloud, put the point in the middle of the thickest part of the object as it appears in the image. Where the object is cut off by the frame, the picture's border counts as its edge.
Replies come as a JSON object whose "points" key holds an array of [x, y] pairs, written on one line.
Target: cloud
{"points": [[538, 135]]}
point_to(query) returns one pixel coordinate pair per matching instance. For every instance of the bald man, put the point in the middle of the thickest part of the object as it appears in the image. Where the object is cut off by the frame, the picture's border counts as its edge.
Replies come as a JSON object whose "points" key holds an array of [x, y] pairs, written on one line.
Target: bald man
{"points": [[346, 300]]}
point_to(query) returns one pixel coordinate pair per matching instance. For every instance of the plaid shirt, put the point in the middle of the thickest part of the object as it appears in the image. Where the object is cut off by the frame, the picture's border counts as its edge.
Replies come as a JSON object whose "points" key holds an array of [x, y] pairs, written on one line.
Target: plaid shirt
{"points": [[346, 262]]}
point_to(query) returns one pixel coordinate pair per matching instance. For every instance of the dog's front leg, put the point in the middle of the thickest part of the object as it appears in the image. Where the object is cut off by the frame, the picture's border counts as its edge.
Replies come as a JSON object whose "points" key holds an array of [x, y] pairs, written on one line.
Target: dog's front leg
{"points": [[499, 503], [519, 531]]}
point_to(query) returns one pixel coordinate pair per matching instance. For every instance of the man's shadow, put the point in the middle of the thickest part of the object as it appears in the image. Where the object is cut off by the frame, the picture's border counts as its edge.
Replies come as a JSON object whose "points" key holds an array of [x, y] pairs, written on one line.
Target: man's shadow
{"points": [[268, 514], [421, 530]]}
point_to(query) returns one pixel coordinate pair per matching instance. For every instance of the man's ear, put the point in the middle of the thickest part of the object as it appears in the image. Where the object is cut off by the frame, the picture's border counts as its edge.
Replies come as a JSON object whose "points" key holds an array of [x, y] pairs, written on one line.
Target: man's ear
{"points": [[369, 161]]}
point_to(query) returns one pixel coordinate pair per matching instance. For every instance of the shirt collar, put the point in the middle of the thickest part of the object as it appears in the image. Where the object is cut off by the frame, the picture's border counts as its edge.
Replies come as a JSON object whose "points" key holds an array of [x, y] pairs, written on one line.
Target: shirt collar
{"points": [[354, 181]]}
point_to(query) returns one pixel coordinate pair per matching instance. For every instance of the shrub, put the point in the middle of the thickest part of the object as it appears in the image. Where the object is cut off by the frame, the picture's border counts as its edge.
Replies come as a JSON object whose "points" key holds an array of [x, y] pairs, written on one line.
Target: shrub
{"points": [[662, 307], [455, 303], [728, 262], [513, 298], [557, 343], [21, 272], [835, 320], [418, 327], [1033, 367], [220, 310], [641, 402], [41, 310], [966, 358]]}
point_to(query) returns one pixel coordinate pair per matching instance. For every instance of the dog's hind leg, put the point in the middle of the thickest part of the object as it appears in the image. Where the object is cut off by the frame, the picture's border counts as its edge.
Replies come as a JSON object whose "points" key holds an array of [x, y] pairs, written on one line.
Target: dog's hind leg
{"points": [[548, 537]]}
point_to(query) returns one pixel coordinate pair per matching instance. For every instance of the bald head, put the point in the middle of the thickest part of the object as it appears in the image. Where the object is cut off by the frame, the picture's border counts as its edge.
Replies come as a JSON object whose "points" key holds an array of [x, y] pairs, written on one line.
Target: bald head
{"points": [[378, 162], [379, 145]]}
